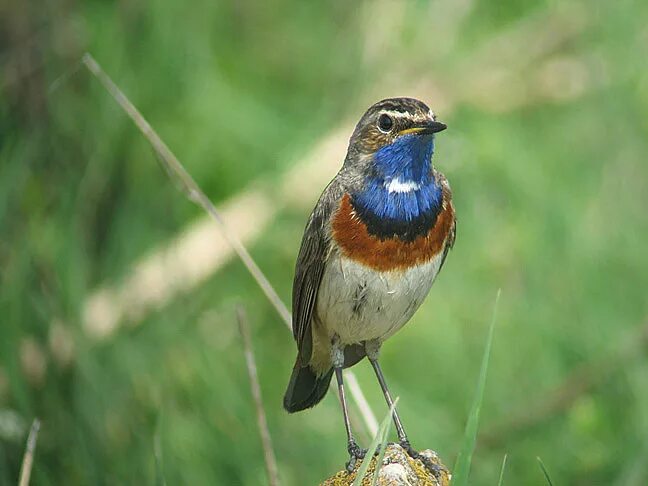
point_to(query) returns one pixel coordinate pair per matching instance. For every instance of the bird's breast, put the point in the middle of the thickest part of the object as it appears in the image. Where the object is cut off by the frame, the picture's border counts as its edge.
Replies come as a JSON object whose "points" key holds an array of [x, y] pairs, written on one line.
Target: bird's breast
{"points": [[352, 236], [358, 303]]}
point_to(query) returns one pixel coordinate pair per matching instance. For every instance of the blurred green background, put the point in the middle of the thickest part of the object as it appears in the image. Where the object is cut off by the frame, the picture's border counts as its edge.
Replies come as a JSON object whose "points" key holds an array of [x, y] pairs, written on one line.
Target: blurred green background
{"points": [[118, 329]]}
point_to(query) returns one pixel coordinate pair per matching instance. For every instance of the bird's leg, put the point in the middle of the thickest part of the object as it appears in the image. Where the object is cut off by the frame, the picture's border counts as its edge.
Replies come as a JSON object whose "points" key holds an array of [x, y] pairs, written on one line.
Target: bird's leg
{"points": [[372, 349], [355, 452]]}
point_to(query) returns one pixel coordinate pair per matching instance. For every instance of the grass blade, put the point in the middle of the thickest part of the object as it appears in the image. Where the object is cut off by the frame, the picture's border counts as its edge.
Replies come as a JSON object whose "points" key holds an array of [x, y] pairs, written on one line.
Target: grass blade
{"points": [[464, 458], [544, 471], [382, 447], [379, 440], [501, 475]]}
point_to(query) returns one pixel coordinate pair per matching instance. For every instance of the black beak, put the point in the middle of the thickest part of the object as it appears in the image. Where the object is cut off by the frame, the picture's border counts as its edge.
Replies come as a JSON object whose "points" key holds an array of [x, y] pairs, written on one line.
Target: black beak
{"points": [[425, 128], [433, 127]]}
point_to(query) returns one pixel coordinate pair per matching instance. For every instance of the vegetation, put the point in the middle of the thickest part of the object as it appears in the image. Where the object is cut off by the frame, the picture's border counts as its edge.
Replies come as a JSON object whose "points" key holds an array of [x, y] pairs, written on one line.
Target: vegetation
{"points": [[547, 108]]}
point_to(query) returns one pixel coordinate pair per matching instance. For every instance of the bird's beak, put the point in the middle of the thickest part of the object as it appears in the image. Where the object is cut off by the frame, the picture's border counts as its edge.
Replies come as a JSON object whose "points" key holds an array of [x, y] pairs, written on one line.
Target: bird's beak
{"points": [[430, 126]]}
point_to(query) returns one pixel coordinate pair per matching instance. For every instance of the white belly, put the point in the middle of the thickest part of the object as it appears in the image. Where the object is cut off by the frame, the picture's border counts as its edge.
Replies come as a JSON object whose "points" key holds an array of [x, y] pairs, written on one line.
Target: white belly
{"points": [[359, 304]]}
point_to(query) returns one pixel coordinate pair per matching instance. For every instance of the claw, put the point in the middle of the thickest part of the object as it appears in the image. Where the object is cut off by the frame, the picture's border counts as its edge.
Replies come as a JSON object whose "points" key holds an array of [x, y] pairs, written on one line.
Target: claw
{"points": [[435, 469], [356, 454]]}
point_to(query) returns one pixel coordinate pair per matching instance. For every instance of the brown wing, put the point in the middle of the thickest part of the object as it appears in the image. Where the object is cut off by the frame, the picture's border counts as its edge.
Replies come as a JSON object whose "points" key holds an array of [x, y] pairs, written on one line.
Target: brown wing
{"points": [[310, 268], [447, 199], [449, 243]]}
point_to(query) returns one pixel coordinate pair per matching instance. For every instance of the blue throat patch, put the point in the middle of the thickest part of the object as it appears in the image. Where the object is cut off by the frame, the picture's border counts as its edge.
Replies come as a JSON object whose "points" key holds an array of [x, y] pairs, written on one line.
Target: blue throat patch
{"points": [[409, 162]]}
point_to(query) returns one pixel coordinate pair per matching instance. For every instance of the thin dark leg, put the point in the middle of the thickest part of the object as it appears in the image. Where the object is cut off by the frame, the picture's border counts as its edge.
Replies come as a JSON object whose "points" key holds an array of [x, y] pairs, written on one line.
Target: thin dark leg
{"points": [[354, 451], [402, 437]]}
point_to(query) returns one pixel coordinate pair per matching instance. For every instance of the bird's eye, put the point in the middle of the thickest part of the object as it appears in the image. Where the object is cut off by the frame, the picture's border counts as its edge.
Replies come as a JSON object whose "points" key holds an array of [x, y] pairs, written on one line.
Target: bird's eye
{"points": [[385, 123]]}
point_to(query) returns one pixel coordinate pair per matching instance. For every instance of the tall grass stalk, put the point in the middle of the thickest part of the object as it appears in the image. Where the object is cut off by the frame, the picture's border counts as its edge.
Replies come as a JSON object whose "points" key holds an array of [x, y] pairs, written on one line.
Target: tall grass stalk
{"points": [[464, 458], [501, 475], [544, 471], [379, 440]]}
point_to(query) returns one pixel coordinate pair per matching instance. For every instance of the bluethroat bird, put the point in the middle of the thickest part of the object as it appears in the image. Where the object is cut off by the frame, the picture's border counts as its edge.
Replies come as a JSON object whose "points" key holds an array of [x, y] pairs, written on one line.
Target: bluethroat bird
{"points": [[372, 248]]}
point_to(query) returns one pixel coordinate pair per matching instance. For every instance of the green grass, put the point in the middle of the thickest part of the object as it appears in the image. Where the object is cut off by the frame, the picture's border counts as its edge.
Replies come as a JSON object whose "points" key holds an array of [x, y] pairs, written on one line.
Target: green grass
{"points": [[461, 470], [379, 444], [545, 152], [500, 481], [545, 473]]}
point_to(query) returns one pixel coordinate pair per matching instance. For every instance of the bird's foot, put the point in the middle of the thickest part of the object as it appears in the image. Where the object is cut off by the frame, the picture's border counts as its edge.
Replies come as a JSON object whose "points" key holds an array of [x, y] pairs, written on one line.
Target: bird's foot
{"points": [[355, 454], [435, 469]]}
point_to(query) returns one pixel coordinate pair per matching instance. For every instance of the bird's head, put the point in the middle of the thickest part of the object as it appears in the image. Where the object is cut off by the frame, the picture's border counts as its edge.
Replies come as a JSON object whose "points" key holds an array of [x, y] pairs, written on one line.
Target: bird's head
{"points": [[389, 120], [394, 139]]}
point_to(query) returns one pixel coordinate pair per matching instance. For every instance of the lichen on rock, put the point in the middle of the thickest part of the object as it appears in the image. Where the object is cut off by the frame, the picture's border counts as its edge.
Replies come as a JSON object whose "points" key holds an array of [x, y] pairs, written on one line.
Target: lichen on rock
{"points": [[397, 469]]}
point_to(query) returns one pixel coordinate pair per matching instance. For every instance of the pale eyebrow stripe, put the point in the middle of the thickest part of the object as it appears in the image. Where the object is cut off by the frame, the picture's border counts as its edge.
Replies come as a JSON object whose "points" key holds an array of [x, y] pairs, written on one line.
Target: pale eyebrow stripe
{"points": [[407, 114], [400, 114]]}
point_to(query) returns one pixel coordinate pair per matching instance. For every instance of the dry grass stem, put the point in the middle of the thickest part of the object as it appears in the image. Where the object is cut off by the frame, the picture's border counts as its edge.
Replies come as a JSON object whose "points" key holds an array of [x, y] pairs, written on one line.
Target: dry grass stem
{"points": [[28, 458], [266, 441], [179, 174]]}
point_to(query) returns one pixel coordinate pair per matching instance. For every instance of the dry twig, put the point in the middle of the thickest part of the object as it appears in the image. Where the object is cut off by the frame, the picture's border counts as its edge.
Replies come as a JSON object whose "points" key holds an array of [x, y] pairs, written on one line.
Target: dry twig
{"points": [[178, 173], [28, 458], [266, 441]]}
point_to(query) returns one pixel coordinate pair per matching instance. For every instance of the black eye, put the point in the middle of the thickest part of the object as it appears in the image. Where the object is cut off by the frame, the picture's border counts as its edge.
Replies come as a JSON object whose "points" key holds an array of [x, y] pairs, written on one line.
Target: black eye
{"points": [[385, 123]]}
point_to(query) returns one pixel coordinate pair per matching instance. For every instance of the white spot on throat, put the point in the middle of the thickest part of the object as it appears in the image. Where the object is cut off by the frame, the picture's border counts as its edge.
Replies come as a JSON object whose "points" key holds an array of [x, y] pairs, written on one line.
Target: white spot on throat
{"points": [[397, 185]]}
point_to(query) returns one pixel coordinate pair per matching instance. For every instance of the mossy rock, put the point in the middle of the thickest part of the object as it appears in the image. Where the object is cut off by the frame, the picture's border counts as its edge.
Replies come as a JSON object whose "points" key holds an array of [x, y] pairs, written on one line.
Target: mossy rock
{"points": [[397, 469]]}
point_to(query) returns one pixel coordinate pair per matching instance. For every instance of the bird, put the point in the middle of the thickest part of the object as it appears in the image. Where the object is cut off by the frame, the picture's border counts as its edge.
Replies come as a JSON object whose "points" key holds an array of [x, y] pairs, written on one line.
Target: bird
{"points": [[371, 250]]}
